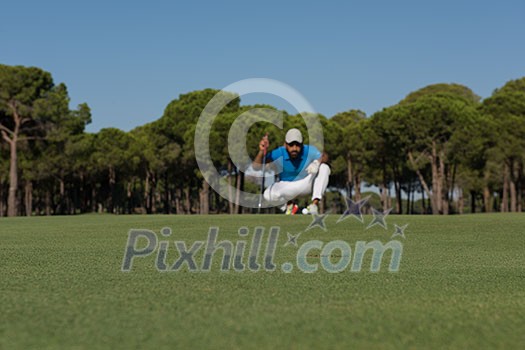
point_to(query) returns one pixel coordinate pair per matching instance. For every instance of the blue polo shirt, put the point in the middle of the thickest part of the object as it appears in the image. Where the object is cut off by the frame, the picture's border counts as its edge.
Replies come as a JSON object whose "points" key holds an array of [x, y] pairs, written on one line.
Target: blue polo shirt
{"points": [[293, 169]]}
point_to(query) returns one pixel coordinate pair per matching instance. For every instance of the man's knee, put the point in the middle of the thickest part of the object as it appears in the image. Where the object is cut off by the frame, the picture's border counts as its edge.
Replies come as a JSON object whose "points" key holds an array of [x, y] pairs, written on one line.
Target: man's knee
{"points": [[324, 169], [271, 195], [266, 194]]}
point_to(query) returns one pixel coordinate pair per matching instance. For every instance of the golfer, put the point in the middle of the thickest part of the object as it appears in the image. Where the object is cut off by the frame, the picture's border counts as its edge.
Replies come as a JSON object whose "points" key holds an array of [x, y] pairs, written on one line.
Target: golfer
{"points": [[302, 170]]}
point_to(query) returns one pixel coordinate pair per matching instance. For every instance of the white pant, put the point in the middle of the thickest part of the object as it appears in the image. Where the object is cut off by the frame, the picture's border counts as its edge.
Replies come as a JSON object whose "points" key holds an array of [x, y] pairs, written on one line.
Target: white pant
{"points": [[283, 191]]}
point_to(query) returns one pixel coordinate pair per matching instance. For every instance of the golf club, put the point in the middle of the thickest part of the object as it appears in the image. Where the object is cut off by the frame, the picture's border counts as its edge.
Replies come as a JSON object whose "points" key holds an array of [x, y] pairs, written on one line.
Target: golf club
{"points": [[263, 175]]}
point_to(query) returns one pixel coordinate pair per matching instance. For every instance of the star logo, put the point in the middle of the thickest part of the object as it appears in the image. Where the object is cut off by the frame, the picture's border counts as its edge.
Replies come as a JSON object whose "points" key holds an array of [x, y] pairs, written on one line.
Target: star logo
{"points": [[379, 218], [318, 221], [353, 209], [292, 239], [400, 231]]}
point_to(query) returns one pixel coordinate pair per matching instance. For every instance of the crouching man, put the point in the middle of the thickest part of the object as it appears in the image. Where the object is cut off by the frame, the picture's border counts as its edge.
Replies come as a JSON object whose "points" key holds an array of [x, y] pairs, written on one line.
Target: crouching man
{"points": [[302, 169]]}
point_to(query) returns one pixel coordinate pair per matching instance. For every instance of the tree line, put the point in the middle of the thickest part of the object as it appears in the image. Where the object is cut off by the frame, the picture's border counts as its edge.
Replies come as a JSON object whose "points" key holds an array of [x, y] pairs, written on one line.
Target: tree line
{"points": [[440, 150]]}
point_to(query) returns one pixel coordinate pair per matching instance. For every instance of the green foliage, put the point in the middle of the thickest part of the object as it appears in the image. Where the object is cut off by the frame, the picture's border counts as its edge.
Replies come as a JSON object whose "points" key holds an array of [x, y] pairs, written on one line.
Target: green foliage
{"points": [[505, 153], [113, 150], [21, 88], [438, 89], [385, 144], [35, 122], [183, 113], [439, 135], [345, 142], [507, 107]]}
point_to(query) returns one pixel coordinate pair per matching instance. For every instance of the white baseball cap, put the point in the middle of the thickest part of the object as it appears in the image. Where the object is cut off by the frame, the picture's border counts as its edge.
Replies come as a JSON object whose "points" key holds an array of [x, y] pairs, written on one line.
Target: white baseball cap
{"points": [[294, 135]]}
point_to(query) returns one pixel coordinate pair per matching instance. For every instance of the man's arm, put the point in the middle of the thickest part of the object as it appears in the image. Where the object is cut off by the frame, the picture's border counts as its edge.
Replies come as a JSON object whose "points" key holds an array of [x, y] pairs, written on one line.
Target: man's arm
{"points": [[313, 168], [263, 147]]}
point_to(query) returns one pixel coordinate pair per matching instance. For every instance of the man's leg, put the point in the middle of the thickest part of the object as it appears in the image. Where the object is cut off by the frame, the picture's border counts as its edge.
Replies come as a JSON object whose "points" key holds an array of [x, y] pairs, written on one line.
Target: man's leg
{"points": [[320, 182], [283, 191], [319, 187]]}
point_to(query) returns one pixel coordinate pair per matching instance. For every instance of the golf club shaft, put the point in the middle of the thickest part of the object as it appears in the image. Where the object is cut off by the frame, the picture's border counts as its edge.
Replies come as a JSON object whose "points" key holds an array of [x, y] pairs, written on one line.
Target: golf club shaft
{"points": [[263, 177]]}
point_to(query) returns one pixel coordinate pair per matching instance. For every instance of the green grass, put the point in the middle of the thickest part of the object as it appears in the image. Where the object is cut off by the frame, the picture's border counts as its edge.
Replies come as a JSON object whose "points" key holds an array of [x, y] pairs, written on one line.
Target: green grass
{"points": [[461, 284]]}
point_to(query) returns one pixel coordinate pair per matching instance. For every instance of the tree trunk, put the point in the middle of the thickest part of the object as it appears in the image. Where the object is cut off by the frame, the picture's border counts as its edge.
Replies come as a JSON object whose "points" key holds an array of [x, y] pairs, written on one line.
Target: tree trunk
{"points": [[384, 202], [487, 207], [69, 201], [13, 177], [461, 201], [452, 184], [1, 199], [512, 188], [350, 177], [93, 198], [430, 195], [28, 198], [167, 197], [423, 201], [129, 198], [241, 190], [409, 193], [48, 202], [84, 200], [357, 187], [230, 189], [237, 191], [412, 201], [187, 200], [520, 201], [12, 141], [112, 181], [505, 195], [440, 190], [158, 197], [204, 198], [146, 198], [397, 191], [239, 187], [153, 194], [178, 204], [74, 194], [399, 201], [472, 202], [519, 190], [61, 208], [436, 195], [83, 194]]}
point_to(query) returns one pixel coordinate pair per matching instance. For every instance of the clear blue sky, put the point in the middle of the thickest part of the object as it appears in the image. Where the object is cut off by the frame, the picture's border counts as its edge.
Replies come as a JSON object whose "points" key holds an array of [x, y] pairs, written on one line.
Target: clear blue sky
{"points": [[129, 60]]}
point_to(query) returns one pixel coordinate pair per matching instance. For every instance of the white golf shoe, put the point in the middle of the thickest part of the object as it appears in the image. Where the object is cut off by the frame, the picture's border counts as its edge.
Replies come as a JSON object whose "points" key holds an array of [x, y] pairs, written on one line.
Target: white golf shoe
{"points": [[313, 209]]}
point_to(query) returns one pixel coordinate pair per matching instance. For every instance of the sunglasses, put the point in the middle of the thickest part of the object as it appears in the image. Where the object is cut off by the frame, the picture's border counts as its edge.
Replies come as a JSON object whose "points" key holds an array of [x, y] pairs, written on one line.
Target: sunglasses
{"points": [[295, 143]]}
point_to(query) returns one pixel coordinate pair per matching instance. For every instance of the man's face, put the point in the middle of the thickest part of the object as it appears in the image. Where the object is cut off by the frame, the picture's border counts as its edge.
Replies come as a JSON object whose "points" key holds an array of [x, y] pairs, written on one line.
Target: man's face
{"points": [[293, 149]]}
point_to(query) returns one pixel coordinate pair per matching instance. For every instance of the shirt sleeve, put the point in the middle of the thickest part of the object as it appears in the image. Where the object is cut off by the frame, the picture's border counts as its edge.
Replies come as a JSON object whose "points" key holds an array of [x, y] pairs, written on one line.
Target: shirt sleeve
{"points": [[313, 154], [271, 156]]}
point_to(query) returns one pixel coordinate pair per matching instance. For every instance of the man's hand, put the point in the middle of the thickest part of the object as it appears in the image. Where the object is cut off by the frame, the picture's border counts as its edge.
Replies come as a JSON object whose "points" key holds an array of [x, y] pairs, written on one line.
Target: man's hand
{"points": [[263, 148], [264, 144], [324, 158], [313, 168]]}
